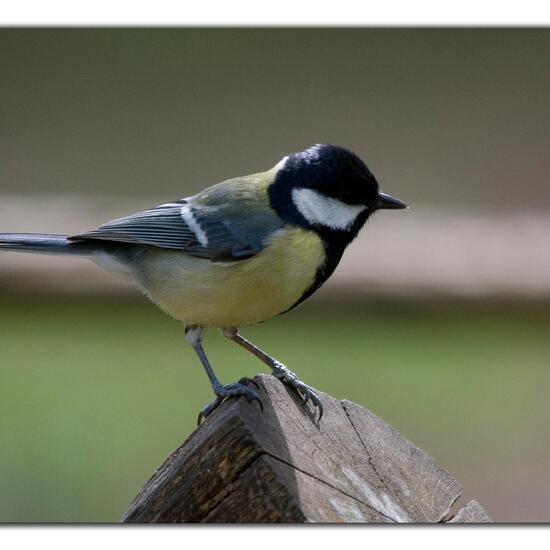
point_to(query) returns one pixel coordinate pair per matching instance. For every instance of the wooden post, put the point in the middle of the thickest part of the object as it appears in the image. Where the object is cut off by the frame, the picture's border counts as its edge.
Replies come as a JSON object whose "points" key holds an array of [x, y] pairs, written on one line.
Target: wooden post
{"points": [[244, 466]]}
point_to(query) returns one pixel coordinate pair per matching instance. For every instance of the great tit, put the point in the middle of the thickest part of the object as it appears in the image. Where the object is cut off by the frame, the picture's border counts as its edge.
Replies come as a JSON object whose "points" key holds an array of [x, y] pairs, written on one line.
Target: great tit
{"points": [[239, 252]]}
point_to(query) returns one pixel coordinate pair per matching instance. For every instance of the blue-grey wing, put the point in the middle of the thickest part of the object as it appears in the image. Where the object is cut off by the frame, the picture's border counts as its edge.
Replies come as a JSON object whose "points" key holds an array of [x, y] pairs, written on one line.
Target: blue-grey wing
{"points": [[220, 232]]}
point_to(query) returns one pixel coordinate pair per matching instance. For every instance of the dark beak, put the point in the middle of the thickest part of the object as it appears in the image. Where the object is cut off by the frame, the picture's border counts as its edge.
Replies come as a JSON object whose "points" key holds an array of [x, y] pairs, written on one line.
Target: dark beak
{"points": [[388, 202]]}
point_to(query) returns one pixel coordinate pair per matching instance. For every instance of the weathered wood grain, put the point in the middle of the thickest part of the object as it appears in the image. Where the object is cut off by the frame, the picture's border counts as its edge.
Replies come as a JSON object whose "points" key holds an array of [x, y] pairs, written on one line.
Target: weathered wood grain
{"points": [[472, 512], [282, 465]]}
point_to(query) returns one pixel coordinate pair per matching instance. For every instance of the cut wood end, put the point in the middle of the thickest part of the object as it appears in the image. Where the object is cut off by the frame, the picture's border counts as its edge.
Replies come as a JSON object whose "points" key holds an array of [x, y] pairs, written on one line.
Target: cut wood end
{"points": [[282, 465], [472, 512]]}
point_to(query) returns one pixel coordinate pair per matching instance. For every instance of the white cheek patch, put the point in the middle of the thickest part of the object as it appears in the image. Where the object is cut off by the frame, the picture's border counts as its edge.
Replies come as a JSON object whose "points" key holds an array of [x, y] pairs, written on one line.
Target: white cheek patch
{"points": [[320, 209], [189, 218], [281, 163]]}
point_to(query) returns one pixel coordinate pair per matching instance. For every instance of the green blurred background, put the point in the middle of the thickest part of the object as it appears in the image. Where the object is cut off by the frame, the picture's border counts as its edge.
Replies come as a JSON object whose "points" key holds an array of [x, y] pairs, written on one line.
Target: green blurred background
{"points": [[98, 386]]}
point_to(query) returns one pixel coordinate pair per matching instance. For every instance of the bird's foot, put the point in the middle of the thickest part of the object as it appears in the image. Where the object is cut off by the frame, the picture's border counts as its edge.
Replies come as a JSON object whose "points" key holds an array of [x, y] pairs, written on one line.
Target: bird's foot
{"points": [[281, 372], [237, 389]]}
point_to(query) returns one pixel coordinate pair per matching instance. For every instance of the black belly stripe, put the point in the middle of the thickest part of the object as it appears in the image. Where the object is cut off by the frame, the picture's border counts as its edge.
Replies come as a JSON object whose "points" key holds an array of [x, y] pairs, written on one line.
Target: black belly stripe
{"points": [[333, 254]]}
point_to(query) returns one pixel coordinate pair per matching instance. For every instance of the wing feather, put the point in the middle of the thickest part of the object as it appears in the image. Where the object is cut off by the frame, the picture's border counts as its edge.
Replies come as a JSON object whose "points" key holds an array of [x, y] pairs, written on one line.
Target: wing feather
{"points": [[220, 231], [162, 227]]}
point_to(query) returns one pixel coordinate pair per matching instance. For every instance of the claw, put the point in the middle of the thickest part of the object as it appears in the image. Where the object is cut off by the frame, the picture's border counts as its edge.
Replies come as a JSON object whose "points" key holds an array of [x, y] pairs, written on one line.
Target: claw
{"points": [[209, 409], [230, 390], [303, 390], [317, 402], [245, 380], [259, 401]]}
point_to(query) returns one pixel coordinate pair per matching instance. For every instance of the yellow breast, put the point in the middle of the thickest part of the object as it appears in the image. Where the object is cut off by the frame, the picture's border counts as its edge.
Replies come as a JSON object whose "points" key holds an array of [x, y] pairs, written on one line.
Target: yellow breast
{"points": [[198, 291]]}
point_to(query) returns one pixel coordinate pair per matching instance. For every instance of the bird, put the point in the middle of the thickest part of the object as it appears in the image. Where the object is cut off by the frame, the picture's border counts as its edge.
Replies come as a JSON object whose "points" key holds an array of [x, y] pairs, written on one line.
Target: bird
{"points": [[237, 253]]}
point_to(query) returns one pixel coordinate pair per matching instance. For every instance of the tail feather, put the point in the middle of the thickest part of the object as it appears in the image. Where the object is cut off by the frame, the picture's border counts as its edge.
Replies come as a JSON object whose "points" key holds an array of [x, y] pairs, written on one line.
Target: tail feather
{"points": [[46, 244]]}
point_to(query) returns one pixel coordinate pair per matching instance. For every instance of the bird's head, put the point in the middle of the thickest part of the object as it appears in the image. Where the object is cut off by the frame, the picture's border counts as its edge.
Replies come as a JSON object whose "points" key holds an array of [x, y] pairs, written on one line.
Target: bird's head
{"points": [[328, 189]]}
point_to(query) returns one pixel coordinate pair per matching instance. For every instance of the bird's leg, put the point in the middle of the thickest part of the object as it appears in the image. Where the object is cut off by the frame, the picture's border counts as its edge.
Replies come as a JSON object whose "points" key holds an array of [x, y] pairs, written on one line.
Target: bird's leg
{"points": [[193, 335], [279, 370]]}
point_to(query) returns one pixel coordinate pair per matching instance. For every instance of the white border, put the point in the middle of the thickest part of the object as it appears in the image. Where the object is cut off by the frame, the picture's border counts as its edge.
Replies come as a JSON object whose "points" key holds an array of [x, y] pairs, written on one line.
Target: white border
{"points": [[279, 12], [254, 13], [450, 537]]}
